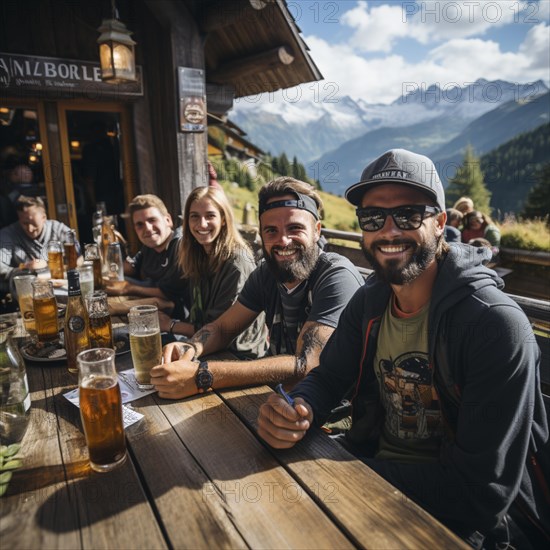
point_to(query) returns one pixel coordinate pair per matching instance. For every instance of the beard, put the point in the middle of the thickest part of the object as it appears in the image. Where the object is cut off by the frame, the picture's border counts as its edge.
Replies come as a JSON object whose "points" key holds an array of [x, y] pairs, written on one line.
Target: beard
{"points": [[397, 271], [293, 270]]}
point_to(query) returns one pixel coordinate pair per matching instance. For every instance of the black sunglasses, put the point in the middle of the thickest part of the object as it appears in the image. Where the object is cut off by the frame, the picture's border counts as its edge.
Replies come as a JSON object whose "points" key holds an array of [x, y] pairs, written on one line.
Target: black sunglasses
{"points": [[408, 217]]}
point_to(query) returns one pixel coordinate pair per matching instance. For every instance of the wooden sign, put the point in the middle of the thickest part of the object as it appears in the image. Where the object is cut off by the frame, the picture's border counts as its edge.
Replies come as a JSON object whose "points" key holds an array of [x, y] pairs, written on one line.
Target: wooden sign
{"points": [[30, 75], [192, 99]]}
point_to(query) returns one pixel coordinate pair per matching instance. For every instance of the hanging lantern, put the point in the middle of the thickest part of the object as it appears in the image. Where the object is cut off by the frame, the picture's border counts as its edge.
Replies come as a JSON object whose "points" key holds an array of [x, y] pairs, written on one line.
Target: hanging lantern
{"points": [[116, 51]]}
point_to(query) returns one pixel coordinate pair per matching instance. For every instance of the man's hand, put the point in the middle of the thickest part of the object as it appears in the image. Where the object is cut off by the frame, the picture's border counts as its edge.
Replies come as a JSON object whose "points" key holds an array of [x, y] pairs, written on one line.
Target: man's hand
{"points": [[177, 379], [117, 288], [35, 264], [176, 350], [281, 425]]}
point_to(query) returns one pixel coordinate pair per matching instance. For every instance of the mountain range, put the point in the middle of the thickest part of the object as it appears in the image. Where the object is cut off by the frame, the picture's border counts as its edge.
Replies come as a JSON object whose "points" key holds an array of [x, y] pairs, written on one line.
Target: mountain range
{"points": [[336, 139]]}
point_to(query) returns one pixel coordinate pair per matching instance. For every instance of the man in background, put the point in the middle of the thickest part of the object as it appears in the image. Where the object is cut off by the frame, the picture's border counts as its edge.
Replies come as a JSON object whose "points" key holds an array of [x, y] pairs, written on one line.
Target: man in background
{"points": [[24, 243]]}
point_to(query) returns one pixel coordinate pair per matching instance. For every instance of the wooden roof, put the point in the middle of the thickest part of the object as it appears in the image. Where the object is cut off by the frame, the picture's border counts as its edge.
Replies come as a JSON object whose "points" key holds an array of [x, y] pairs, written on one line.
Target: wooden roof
{"points": [[253, 45]]}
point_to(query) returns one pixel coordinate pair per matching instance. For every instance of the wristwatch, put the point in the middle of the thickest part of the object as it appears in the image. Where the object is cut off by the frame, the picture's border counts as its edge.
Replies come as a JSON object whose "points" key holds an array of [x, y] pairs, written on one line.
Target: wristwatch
{"points": [[204, 377]]}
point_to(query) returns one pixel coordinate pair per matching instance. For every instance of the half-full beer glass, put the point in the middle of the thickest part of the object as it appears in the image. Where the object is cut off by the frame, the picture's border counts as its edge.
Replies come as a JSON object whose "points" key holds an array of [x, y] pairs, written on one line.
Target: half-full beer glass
{"points": [[101, 408], [45, 311], [23, 286], [145, 343], [86, 271]]}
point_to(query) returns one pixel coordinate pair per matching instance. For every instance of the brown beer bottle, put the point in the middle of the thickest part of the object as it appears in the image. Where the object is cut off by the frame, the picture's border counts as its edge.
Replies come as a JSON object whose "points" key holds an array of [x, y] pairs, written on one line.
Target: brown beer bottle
{"points": [[70, 249], [76, 321]]}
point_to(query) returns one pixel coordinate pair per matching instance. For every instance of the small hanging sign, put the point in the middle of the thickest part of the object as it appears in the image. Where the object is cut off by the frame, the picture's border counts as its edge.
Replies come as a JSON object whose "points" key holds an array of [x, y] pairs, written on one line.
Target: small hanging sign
{"points": [[192, 98]]}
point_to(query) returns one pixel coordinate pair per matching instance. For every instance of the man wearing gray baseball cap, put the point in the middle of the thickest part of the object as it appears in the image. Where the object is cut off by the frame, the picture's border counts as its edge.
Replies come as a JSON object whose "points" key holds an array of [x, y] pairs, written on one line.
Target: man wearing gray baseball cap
{"points": [[444, 366]]}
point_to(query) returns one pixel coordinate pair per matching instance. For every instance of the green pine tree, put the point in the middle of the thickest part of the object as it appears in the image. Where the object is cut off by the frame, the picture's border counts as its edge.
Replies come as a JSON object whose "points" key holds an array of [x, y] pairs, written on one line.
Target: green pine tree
{"points": [[284, 165], [468, 182], [537, 204]]}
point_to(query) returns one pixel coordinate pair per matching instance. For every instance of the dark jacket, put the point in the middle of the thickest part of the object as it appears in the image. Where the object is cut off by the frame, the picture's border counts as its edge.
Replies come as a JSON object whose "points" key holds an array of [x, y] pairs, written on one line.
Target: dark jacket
{"points": [[492, 363]]}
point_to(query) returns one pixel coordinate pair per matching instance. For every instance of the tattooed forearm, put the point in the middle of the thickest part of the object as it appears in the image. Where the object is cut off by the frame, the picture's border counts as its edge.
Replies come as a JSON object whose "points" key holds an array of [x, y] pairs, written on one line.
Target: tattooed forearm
{"points": [[312, 345], [202, 336]]}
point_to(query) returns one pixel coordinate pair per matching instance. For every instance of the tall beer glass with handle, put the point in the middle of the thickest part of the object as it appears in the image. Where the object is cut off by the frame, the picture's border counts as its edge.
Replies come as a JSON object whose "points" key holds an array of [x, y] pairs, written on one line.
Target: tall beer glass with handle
{"points": [[101, 328], [55, 259], [145, 343], [23, 285], [101, 408], [45, 311]]}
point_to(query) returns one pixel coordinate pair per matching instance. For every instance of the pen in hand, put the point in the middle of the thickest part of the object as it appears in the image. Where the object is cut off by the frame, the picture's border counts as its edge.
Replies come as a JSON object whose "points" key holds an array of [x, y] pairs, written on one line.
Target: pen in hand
{"points": [[279, 389]]}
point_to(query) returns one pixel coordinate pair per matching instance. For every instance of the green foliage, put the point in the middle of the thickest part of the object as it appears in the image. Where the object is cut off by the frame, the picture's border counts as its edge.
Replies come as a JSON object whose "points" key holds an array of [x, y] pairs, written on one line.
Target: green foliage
{"points": [[468, 182], [9, 461], [526, 234], [515, 167], [537, 204]]}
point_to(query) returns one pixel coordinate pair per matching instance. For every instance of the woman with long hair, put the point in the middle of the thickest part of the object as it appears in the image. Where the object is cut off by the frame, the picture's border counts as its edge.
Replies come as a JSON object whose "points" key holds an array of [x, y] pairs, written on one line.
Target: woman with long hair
{"points": [[478, 225], [215, 262]]}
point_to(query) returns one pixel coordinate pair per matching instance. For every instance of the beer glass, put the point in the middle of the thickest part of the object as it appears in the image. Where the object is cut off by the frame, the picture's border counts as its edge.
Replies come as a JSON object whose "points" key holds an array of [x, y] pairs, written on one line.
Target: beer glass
{"points": [[101, 328], [23, 286], [69, 244], [145, 343], [86, 271], [45, 311], [55, 259], [91, 254], [115, 262], [101, 408]]}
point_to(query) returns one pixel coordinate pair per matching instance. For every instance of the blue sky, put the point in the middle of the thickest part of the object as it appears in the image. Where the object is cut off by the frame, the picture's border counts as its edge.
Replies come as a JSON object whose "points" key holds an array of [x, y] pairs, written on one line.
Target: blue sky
{"points": [[376, 50]]}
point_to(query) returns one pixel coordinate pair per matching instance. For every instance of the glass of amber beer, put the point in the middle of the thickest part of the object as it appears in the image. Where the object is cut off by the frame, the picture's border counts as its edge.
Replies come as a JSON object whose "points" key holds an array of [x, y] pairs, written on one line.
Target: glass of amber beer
{"points": [[101, 408], [101, 328], [23, 285], [145, 343], [55, 259], [45, 311]]}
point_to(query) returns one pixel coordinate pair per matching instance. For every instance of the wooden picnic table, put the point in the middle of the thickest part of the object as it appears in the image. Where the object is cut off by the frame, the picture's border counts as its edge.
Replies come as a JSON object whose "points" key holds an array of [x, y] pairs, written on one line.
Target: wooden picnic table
{"points": [[197, 476]]}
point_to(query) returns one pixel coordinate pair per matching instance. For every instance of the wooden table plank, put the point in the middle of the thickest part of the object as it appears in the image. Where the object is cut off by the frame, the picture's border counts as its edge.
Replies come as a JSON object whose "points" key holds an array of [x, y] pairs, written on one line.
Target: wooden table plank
{"points": [[257, 496], [373, 512], [176, 482]]}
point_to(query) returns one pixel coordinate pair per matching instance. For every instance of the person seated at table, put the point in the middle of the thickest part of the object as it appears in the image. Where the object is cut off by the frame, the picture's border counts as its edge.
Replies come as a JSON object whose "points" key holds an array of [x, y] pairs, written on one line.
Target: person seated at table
{"points": [[452, 231], [301, 289], [24, 243], [447, 402], [214, 262], [476, 225], [464, 205], [156, 261]]}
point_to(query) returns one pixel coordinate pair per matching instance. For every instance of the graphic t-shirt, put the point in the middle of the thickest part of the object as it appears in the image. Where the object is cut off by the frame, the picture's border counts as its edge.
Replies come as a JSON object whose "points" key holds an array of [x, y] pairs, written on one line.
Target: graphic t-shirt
{"points": [[412, 426]]}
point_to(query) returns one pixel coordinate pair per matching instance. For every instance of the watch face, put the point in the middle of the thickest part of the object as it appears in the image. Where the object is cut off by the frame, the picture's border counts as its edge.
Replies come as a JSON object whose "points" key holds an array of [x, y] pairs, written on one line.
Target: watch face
{"points": [[204, 378]]}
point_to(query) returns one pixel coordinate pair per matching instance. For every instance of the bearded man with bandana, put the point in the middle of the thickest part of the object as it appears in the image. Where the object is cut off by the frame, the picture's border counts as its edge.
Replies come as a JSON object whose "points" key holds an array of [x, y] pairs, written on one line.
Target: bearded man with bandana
{"points": [[301, 289]]}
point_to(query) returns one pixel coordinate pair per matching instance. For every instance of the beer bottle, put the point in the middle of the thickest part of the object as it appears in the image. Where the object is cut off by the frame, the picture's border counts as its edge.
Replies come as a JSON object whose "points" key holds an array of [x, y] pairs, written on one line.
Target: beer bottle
{"points": [[76, 321], [71, 255]]}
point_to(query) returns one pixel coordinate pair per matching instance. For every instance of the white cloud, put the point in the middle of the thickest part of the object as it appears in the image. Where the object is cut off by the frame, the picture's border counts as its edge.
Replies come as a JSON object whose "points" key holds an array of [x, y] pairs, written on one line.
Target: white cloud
{"points": [[536, 48], [456, 62], [377, 27]]}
